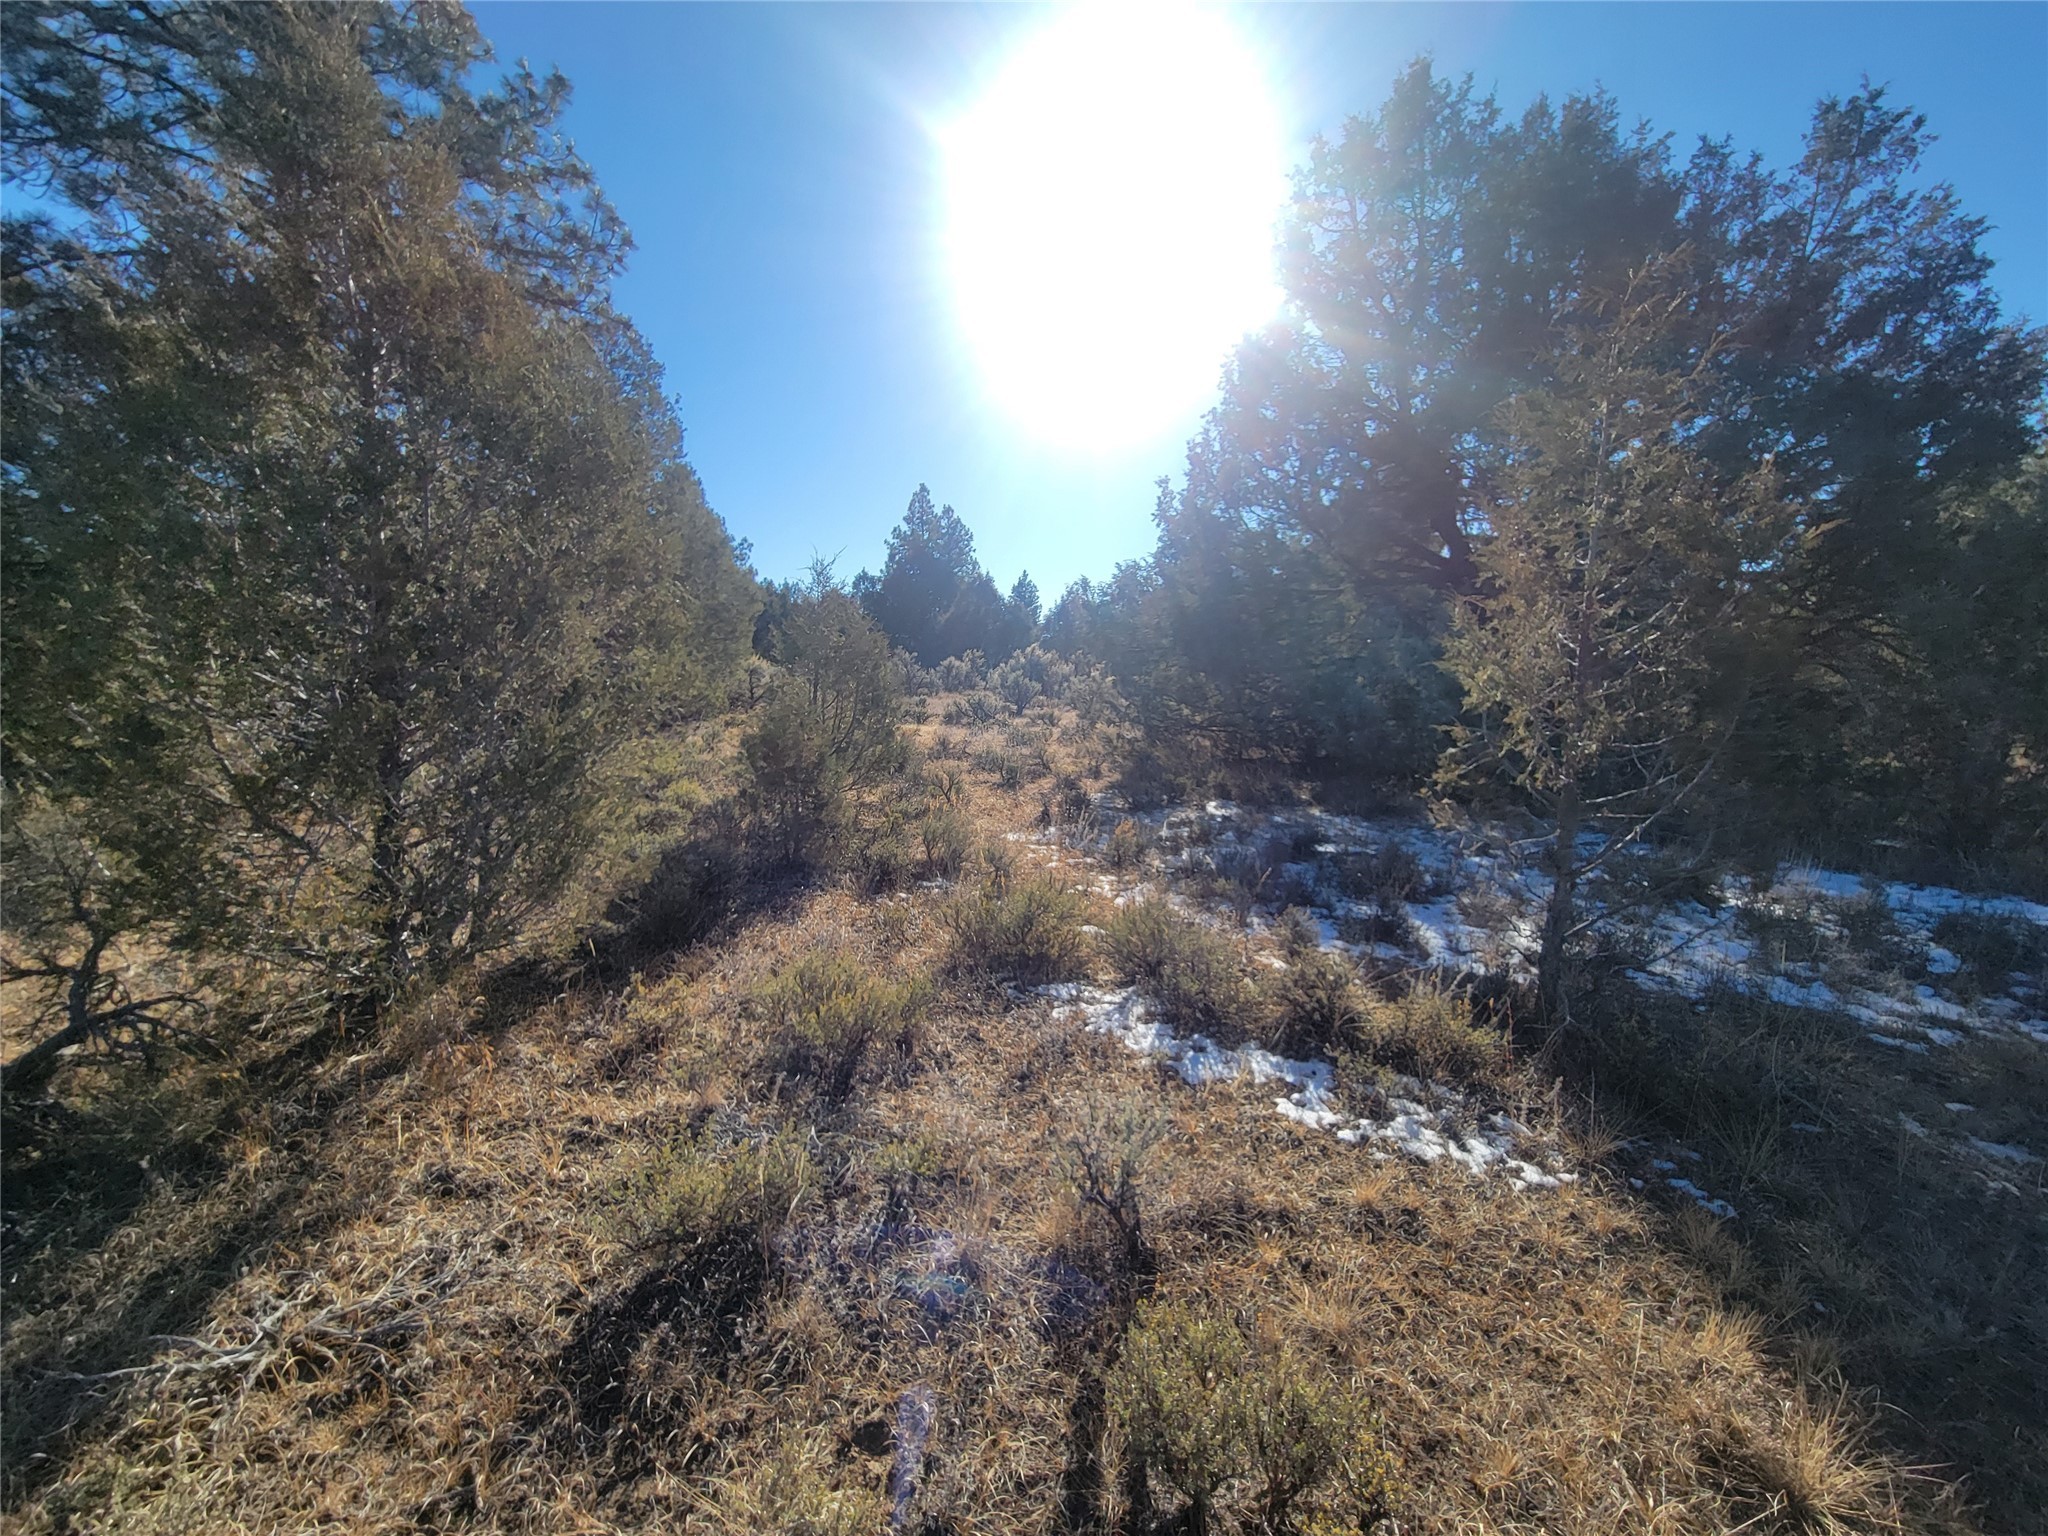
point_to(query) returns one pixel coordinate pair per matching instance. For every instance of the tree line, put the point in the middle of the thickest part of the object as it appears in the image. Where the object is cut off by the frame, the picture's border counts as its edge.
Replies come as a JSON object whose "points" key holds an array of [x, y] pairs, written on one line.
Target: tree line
{"points": [[345, 528], [1637, 490]]}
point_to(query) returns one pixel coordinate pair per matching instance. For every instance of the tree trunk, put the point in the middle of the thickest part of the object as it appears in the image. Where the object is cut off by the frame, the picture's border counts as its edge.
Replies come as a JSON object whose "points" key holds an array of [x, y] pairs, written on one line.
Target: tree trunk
{"points": [[387, 865], [1551, 1003]]}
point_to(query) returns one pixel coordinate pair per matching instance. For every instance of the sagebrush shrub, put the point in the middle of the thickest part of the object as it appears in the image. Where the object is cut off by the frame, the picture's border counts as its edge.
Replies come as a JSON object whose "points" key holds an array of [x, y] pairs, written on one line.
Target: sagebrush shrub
{"points": [[826, 1012], [1189, 970], [1026, 931], [1317, 1003], [1104, 1160], [1427, 1033], [1262, 1432], [1126, 846], [885, 857], [1297, 932], [947, 838], [694, 1190]]}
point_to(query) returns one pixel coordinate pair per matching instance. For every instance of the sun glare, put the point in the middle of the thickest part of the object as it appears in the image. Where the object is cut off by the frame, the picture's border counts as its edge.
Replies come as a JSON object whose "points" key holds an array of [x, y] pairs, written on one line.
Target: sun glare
{"points": [[1109, 208]]}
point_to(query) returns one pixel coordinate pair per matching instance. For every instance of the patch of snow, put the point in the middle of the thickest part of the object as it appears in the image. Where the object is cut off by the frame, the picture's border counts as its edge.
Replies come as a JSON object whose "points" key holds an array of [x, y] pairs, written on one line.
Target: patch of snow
{"points": [[1804, 879], [1481, 1144], [2004, 1152], [1702, 1199], [1922, 906]]}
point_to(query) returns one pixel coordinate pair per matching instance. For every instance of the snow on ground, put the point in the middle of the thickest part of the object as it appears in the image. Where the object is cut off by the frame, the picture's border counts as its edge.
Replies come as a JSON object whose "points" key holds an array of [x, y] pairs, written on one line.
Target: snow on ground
{"points": [[1421, 1120], [1482, 896], [1399, 894]]}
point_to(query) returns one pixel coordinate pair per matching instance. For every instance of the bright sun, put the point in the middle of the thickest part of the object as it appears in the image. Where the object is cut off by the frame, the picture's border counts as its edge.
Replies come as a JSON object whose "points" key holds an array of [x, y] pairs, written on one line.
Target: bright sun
{"points": [[1109, 209]]}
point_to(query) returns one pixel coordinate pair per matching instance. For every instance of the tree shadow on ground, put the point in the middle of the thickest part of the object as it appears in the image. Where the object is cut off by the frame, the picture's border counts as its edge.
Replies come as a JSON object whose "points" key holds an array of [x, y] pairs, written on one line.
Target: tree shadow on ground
{"points": [[1882, 1258], [82, 1176]]}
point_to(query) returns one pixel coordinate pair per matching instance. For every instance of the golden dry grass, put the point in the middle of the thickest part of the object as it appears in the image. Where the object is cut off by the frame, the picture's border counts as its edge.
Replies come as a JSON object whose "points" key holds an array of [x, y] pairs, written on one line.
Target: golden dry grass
{"points": [[392, 1301]]}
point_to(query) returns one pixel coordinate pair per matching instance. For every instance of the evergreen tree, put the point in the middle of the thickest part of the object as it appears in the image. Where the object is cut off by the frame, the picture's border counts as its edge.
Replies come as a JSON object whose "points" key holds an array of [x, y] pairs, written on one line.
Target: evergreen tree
{"points": [[933, 599], [341, 509], [1627, 593], [830, 727]]}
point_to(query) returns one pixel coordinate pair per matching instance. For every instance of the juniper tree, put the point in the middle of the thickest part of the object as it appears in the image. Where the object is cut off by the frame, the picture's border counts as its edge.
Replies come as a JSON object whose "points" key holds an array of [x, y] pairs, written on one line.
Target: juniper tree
{"points": [[830, 727], [329, 458], [1626, 592]]}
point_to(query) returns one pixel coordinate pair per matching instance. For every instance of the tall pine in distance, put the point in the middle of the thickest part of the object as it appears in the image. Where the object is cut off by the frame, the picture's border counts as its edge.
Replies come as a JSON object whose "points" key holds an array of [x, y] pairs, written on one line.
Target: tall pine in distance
{"points": [[343, 511], [934, 600]]}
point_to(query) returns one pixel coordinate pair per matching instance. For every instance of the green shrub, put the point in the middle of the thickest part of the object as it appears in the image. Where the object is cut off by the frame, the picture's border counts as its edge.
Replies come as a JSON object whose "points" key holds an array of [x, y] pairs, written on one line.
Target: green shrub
{"points": [[884, 859], [1096, 700], [1026, 931], [1427, 1033], [826, 1012], [792, 1492], [1317, 1003], [1189, 970], [692, 1191], [1223, 1424], [1013, 683], [947, 837], [1991, 945], [1000, 860], [1385, 876], [1298, 933], [1173, 1392], [1071, 805], [958, 673], [1103, 1161]]}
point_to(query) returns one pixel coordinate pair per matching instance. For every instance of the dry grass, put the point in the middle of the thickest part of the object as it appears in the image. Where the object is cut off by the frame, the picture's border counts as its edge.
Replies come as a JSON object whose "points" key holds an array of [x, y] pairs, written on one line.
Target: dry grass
{"points": [[395, 1293]]}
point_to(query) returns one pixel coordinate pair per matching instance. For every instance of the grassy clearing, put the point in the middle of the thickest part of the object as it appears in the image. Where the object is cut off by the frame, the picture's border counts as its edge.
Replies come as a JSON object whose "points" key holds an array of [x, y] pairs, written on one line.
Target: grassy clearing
{"points": [[754, 1227]]}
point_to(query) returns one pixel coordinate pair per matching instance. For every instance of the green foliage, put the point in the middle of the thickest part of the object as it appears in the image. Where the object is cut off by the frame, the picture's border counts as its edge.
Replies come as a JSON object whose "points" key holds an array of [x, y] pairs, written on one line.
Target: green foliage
{"points": [[1262, 1429], [825, 1013], [935, 601], [1187, 968], [956, 674], [977, 708], [369, 587], [1846, 430], [946, 837], [883, 856], [793, 1492], [1104, 1160], [1993, 947], [694, 1190], [830, 727], [1126, 846], [1318, 1003], [1629, 590], [1235, 644], [1013, 683], [1427, 1033], [1023, 930]]}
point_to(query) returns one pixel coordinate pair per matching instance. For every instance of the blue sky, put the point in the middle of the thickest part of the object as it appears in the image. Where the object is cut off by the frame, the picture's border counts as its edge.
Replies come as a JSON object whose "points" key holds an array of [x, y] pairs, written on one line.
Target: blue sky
{"points": [[778, 167]]}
